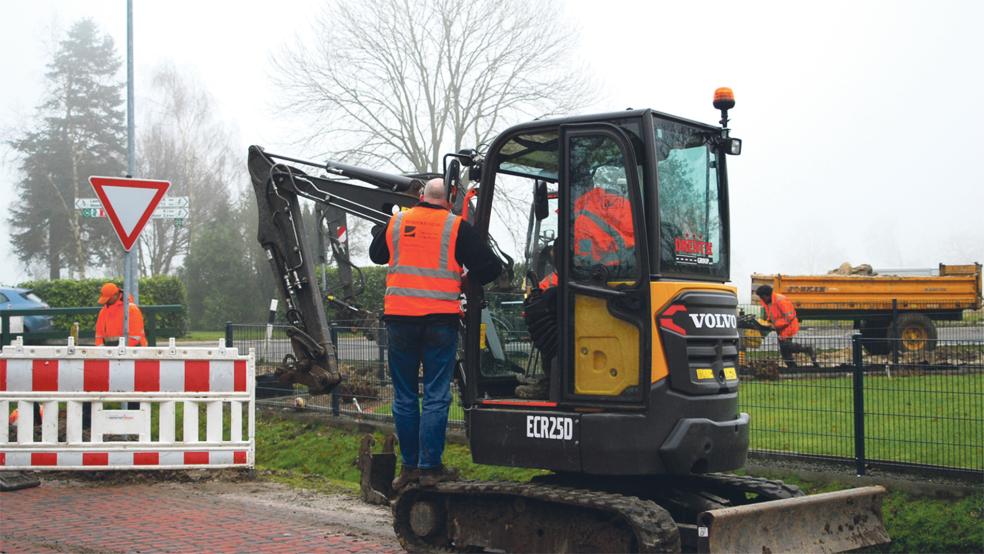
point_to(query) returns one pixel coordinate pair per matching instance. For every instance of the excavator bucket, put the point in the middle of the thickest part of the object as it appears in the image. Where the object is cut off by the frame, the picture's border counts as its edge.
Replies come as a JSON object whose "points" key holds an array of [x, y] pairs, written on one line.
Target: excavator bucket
{"points": [[377, 470], [829, 522]]}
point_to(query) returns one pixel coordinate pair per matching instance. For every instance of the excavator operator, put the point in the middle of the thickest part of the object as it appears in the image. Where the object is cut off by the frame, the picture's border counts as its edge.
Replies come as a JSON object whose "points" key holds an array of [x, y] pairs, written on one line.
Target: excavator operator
{"points": [[602, 228], [782, 315], [603, 236], [427, 249]]}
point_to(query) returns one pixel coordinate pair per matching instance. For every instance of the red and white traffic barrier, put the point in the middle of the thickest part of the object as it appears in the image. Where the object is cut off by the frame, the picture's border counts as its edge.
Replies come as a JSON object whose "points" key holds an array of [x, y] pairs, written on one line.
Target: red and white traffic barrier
{"points": [[171, 385]]}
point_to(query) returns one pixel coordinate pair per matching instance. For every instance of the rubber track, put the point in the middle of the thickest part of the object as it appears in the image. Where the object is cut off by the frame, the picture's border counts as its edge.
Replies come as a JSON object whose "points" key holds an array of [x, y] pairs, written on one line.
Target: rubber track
{"points": [[768, 489], [653, 526]]}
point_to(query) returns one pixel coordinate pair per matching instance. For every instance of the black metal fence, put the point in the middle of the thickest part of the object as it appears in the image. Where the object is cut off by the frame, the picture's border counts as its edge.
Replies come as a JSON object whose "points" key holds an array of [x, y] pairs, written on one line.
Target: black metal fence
{"points": [[367, 390], [152, 315], [919, 408], [877, 402]]}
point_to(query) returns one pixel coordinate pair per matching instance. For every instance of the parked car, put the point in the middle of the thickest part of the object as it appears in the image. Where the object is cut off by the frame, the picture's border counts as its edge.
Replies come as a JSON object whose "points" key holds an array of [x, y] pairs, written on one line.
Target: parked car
{"points": [[12, 298]]}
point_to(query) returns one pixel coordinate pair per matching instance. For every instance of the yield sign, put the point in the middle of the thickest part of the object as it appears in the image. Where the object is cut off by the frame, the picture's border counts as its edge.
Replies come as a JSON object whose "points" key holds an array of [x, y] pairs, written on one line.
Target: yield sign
{"points": [[129, 203]]}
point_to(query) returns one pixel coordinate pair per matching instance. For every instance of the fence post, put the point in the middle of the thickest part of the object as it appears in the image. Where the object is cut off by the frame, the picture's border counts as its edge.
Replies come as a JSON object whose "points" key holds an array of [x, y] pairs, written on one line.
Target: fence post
{"points": [[4, 330], [381, 342], [228, 334], [895, 340], [858, 382], [336, 400], [336, 404], [150, 333]]}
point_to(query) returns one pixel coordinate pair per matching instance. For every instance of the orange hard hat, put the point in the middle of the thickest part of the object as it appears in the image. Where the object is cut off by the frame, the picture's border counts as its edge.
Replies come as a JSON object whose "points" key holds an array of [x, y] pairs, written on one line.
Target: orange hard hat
{"points": [[109, 290]]}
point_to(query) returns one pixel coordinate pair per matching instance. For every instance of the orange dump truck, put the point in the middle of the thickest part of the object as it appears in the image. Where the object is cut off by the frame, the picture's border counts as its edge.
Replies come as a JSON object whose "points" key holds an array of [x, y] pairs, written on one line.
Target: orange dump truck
{"points": [[884, 306]]}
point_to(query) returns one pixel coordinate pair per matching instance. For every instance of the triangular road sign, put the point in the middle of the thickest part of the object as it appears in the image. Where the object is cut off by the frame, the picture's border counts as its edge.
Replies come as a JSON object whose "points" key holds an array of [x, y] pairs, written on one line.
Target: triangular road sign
{"points": [[129, 203]]}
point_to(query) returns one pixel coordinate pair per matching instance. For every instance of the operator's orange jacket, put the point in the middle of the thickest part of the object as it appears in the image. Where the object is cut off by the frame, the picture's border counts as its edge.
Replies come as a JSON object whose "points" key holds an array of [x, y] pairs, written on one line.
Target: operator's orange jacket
{"points": [[782, 314], [424, 277], [109, 324], [548, 281], [602, 226]]}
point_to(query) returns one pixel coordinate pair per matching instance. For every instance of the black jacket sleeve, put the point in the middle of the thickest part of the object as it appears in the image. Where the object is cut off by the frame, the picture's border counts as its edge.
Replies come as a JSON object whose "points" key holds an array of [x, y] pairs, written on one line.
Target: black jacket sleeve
{"points": [[475, 254], [378, 249]]}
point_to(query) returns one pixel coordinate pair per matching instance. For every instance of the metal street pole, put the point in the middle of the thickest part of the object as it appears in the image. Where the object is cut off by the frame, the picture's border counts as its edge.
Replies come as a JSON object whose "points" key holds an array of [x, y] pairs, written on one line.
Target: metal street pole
{"points": [[129, 279]]}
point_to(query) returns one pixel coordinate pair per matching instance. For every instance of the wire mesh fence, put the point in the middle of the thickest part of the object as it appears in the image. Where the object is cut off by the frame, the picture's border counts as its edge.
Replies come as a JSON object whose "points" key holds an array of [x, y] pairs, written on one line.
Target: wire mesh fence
{"points": [[893, 402], [877, 401], [366, 391]]}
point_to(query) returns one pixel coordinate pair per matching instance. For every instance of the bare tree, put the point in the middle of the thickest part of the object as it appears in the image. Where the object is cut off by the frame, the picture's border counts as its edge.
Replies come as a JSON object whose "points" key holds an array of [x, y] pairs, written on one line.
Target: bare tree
{"points": [[181, 141], [399, 82]]}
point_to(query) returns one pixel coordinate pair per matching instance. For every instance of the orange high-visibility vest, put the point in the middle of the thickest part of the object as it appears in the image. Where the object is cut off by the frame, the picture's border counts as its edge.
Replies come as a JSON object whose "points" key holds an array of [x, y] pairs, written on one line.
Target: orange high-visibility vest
{"points": [[603, 227], [109, 324], [548, 281], [424, 277], [782, 314]]}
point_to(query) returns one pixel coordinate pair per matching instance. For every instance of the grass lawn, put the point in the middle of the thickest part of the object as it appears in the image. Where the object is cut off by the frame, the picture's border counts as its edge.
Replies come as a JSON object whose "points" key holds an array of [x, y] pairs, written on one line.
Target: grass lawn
{"points": [[202, 336], [317, 456], [312, 448], [931, 419]]}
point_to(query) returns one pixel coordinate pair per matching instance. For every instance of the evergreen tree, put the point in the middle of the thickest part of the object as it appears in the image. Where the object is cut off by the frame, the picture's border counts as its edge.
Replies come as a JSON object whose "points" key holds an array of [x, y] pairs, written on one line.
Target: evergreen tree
{"points": [[79, 131], [219, 275]]}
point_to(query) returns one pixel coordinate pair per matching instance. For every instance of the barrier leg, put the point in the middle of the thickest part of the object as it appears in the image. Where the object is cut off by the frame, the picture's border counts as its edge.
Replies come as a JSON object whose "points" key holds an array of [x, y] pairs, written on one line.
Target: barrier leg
{"points": [[213, 421], [49, 422], [144, 408], [236, 421], [165, 422], [190, 422], [73, 422], [4, 417], [25, 422]]}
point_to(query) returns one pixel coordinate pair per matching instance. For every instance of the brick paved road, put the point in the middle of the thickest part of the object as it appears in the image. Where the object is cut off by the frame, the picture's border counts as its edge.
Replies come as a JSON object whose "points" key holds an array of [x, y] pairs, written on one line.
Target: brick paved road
{"points": [[188, 517]]}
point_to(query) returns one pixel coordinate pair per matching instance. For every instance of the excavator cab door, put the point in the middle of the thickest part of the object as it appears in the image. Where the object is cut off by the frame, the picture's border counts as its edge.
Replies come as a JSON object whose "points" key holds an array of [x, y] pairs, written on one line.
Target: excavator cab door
{"points": [[603, 277]]}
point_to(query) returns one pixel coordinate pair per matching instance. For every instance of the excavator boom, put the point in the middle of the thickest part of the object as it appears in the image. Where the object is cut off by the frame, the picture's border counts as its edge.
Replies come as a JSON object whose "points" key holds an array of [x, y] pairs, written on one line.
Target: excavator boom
{"points": [[281, 233]]}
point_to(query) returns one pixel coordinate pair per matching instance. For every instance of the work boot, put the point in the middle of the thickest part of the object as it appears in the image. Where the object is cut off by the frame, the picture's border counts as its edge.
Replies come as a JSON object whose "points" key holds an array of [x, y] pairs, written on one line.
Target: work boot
{"points": [[538, 390], [408, 475], [430, 477], [813, 355]]}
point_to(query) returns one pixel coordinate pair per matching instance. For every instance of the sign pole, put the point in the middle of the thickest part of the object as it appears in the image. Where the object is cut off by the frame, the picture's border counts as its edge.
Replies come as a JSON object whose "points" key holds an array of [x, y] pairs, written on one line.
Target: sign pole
{"points": [[128, 277]]}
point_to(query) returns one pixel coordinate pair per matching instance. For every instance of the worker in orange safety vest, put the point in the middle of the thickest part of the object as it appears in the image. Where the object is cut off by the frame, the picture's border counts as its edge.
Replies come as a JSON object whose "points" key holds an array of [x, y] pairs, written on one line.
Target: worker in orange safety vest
{"points": [[109, 324], [427, 249], [782, 315]]}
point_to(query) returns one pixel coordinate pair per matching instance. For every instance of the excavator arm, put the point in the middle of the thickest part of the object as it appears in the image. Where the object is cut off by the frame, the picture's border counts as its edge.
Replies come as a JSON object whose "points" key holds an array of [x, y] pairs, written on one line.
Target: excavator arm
{"points": [[278, 188]]}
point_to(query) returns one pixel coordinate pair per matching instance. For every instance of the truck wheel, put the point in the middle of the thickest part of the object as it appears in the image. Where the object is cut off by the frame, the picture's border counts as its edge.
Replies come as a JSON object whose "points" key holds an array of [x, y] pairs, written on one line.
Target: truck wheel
{"points": [[915, 332], [876, 330]]}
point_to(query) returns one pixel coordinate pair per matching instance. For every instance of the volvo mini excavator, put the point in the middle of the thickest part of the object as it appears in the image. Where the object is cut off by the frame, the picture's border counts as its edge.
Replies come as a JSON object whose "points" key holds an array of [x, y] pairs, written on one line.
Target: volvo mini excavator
{"points": [[636, 344]]}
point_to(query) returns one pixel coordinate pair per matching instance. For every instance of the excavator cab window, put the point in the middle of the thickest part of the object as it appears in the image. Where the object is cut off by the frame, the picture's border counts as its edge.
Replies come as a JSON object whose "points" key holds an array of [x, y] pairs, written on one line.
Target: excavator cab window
{"points": [[691, 208]]}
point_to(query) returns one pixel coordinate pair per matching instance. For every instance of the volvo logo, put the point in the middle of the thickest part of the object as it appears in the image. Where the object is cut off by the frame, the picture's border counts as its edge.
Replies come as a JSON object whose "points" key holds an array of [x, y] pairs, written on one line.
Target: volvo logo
{"points": [[714, 321]]}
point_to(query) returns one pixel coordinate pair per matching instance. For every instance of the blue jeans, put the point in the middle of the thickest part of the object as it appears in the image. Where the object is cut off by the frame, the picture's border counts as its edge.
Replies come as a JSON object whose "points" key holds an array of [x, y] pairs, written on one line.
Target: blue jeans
{"points": [[421, 432]]}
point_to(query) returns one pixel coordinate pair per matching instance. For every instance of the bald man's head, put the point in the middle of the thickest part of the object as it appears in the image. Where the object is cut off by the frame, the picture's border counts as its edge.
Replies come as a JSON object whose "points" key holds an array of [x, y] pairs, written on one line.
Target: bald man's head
{"points": [[435, 193]]}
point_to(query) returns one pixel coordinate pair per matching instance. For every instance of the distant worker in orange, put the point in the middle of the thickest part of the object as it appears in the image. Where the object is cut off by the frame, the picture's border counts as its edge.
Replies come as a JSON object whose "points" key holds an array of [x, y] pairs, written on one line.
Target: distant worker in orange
{"points": [[109, 325], [782, 315]]}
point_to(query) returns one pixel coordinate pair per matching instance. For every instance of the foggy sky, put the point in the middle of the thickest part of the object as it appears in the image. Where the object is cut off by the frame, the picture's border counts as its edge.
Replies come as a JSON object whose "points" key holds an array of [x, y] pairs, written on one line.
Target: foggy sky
{"points": [[861, 121]]}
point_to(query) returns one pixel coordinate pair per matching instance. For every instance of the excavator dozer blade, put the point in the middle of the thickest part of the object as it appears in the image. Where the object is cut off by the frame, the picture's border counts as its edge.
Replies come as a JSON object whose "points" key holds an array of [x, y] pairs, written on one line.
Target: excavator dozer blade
{"points": [[377, 470], [829, 522]]}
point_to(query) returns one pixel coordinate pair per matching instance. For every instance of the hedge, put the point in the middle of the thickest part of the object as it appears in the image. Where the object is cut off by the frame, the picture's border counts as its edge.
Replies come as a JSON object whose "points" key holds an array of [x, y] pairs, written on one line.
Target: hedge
{"points": [[70, 293]]}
